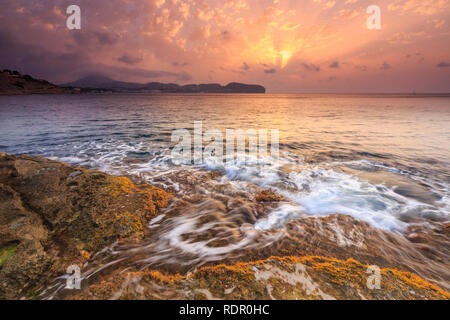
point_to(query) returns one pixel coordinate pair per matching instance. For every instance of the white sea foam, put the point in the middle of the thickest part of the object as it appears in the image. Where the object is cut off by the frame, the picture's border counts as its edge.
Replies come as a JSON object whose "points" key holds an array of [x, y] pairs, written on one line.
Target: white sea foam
{"points": [[323, 191], [280, 216], [320, 190], [260, 171]]}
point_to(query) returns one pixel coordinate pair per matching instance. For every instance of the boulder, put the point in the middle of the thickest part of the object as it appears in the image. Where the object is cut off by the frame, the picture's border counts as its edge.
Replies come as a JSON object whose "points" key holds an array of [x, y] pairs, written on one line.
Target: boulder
{"points": [[53, 215]]}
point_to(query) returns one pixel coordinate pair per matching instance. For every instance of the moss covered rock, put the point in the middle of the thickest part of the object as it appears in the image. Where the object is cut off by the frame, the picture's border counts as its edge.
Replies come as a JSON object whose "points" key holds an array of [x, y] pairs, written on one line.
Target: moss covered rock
{"points": [[53, 214], [289, 277]]}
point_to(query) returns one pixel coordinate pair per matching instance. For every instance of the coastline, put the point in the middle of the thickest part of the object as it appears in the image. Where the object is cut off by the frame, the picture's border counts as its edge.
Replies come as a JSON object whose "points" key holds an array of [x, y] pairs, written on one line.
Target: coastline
{"points": [[14, 83]]}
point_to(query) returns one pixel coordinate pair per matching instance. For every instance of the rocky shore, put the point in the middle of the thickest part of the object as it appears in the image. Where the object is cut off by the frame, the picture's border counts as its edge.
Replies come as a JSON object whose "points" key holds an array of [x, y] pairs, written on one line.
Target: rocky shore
{"points": [[14, 83], [278, 278], [53, 215]]}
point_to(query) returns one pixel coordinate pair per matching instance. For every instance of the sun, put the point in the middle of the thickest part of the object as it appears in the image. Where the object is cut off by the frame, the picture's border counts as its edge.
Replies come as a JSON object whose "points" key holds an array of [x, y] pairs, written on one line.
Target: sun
{"points": [[285, 55]]}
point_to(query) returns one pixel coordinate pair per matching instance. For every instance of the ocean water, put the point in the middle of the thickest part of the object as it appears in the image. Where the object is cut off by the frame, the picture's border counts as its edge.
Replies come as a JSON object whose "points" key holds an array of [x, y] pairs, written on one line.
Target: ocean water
{"points": [[372, 156], [382, 159]]}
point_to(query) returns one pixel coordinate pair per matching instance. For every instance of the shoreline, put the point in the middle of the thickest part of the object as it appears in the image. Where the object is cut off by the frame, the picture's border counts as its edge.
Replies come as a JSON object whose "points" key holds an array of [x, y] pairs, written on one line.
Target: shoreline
{"points": [[71, 201]]}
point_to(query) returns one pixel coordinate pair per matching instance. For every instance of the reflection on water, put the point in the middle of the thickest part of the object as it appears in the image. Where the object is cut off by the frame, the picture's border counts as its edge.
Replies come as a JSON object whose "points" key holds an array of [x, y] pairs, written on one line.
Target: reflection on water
{"points": [[383, 160]]}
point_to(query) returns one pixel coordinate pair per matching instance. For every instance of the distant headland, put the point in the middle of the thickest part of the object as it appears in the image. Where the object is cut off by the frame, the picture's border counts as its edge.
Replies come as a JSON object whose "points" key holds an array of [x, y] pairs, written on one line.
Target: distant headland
{"points": [[102, 83], [14, 83]]}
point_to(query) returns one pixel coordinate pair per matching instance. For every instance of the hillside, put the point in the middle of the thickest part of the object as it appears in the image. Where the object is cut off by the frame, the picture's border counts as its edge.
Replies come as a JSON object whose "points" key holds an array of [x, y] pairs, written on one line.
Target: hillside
{"points": [[14, 83], [102, 83]]}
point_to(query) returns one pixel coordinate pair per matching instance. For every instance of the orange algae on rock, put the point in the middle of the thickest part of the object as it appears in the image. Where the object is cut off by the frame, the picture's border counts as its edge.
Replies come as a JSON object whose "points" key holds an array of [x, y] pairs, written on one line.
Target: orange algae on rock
{"points": [[121, 185], [415, 281], [64, 213], [289, 277], [127, 223], [268, 196], [342, 279], [153, 197], [161, 277]]}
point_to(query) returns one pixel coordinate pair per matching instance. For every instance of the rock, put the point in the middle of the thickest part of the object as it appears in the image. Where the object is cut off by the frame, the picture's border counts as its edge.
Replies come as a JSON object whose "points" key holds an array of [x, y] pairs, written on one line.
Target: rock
{"points": [[281, 278], [53, 215], [268, 196]]}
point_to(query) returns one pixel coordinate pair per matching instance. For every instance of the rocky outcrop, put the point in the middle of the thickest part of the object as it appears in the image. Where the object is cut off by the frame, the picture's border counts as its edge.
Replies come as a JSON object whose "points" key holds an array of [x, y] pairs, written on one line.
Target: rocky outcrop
{"points": [[236, 87], [280, 278], [13, 83], [53, 215]]}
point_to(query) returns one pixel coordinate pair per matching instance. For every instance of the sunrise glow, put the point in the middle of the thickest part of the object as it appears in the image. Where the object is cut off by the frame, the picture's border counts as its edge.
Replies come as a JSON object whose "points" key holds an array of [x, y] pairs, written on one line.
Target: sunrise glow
{"points": [[287, 46]]}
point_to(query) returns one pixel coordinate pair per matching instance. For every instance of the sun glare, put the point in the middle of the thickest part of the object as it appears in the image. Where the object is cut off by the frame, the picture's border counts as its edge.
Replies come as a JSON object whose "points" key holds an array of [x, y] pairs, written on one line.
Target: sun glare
{"points": [[285, 56]]}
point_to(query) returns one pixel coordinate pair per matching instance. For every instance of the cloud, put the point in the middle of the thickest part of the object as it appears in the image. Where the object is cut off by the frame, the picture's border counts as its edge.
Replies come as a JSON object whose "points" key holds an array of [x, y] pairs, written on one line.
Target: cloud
{"points": [[270, 71], [65, 67], [330, 4], [245, 66], [424, 7], [88, 39], [348, 13], [385, 66], [443, 65], [128, 59], [438, 23], [361, 67], [158, 39], [311, 67], [105, 38], [407, 37], [180, 64], [410, 55], [334, 65]]}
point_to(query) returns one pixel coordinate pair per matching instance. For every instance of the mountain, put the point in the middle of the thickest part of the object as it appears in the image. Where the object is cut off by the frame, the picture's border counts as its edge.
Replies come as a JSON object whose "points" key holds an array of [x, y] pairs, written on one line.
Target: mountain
{"points": [[102, 83], [14, 83]]}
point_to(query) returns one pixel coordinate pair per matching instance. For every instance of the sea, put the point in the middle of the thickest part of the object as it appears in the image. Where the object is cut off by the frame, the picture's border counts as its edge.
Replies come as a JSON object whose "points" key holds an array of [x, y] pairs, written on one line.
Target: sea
{"points": [[382, 159]]}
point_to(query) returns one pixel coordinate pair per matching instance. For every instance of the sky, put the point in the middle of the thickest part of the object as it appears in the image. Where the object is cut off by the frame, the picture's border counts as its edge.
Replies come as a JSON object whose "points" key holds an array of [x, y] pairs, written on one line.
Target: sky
{"points": [[285, 45]]}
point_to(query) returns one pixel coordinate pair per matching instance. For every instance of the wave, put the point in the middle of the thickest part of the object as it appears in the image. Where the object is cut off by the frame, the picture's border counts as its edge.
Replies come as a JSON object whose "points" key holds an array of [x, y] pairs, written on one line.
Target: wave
{"points": [[309, 189]]}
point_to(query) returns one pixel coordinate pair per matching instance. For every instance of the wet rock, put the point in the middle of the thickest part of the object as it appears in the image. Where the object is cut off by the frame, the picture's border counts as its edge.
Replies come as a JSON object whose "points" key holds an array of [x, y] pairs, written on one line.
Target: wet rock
{"points": [[307, 277], [203, 247], [312, 258], [53, 215], [268, 196]]}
